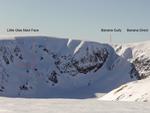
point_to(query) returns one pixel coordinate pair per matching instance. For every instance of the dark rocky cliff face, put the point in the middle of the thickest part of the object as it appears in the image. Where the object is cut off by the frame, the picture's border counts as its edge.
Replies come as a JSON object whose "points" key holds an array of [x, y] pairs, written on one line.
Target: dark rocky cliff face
{"points": [[142, 65], [86, 63]]}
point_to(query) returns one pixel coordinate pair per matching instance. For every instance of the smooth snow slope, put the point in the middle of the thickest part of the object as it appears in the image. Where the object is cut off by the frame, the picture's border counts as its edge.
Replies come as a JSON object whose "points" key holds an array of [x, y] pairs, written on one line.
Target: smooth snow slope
{"points": [[16, 105], [52, 67], [134, 91]]}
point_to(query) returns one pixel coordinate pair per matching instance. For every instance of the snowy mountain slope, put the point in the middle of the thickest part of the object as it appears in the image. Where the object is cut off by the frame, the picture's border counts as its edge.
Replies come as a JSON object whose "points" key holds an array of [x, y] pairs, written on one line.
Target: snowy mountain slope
{"points": [[47, 67], [134, 91], [139, 55]]}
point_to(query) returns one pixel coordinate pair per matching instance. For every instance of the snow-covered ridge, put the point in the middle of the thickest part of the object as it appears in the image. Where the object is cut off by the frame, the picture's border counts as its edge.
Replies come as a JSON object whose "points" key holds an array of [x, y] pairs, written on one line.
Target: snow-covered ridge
{"points": [[46, 66]]}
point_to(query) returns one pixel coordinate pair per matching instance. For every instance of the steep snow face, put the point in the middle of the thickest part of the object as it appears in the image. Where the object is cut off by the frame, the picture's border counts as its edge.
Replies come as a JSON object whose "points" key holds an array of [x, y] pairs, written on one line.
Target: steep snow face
{"points": [[134, 91], [45, 66]]}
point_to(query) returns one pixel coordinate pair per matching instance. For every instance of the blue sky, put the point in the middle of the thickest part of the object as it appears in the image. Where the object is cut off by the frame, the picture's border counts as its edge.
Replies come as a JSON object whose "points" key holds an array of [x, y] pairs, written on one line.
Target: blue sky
{"points": [[77, 19]]}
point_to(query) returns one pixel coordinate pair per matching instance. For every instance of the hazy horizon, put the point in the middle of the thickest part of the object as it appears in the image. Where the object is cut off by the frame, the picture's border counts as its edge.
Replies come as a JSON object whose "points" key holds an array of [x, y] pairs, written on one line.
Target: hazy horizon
{"points": [[77, 19]]}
